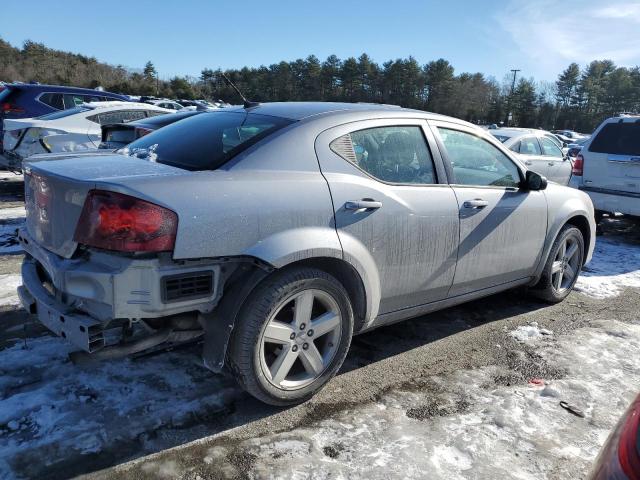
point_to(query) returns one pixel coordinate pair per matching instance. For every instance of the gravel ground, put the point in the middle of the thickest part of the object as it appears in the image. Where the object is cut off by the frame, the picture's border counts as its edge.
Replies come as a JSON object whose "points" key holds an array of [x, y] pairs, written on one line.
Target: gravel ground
{"points": [[170, 418]]}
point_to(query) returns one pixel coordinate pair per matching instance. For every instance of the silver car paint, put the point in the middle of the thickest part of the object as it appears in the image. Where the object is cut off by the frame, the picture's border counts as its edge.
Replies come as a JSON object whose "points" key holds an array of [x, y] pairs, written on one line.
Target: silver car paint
{"points": [[273, 203]]}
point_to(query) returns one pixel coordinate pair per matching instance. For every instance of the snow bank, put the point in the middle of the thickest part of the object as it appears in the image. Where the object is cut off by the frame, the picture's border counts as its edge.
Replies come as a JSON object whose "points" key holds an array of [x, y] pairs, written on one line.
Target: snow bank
{"points": [[8, 285], [615, 266], [469, 428]]}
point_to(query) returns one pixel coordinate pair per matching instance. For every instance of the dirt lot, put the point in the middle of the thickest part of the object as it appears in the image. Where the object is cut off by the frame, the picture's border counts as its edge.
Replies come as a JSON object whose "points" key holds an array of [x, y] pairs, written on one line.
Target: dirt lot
{"points": [[421, 390]]}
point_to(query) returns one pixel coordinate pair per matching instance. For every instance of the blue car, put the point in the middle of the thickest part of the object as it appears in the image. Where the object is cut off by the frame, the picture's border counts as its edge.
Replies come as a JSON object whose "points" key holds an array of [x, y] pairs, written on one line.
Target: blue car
{"points": [[22, 100]]}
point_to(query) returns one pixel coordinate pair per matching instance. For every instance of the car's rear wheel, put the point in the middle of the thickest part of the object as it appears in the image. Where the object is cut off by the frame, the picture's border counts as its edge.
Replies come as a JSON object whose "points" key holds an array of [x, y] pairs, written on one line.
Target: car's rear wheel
{"points": [[563, 266], [291, 336]]}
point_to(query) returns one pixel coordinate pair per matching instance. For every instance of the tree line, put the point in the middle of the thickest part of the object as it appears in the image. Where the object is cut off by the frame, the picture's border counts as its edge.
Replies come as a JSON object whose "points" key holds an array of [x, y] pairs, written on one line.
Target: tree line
{"points": [[579, 99]]}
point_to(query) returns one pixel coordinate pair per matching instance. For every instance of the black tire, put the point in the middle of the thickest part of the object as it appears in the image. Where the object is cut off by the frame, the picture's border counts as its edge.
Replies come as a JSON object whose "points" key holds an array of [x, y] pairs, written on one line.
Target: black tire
{"points": [[544, 289], [244, 354]]}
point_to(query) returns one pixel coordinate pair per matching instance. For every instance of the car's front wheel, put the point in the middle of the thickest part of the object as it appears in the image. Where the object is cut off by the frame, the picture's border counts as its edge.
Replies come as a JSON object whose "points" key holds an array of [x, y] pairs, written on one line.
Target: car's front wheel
{"points": [[291, 336], [563, 266]]}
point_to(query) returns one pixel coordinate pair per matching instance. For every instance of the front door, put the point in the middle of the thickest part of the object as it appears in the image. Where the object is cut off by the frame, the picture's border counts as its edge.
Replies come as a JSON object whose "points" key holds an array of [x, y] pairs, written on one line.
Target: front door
{"points": [[559, 166], [393, 207], [502, 227]]}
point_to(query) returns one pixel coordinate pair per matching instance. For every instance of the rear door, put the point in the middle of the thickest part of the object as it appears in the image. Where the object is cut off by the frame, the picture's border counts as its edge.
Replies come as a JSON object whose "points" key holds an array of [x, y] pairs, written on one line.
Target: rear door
{"points": [[612, 158], [393, 208], [532, 157], [502, 228]]}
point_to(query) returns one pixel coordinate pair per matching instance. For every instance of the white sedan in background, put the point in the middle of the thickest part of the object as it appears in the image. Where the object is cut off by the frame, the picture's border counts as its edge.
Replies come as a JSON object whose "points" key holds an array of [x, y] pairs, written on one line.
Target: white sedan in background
{"points": [[73, 130], [539, 150]]}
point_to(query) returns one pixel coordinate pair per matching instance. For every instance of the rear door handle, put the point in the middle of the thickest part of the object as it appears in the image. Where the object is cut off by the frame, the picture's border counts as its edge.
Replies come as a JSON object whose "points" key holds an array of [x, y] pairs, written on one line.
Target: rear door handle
{"points": [[528, 162], [476, 203], [365, 204], [551, 164]]}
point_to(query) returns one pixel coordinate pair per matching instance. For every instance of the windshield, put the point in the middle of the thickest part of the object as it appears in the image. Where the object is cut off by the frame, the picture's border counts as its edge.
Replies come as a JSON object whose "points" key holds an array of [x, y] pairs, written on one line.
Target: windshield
{"points": [[63, 113], [205, 141]]}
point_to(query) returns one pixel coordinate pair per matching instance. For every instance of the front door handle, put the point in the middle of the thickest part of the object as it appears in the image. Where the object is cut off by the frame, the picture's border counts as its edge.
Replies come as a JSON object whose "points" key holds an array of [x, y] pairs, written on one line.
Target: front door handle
{"points": [[364, 204], [476, 203], [551, 164], [528, 162]]}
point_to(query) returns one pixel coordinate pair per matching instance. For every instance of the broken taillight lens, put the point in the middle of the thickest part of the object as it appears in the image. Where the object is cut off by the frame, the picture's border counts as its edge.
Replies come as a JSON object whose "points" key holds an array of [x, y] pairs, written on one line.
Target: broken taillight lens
{"points": [[114, 221]]}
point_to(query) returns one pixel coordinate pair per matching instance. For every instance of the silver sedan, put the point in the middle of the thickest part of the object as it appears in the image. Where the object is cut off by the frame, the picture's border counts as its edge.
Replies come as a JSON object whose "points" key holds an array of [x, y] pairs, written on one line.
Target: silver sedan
{"points": [[539, 150], [278, 231]]}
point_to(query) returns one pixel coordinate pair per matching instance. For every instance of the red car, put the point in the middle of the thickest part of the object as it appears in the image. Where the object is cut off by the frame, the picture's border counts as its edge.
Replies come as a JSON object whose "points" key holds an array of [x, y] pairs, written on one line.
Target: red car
{"points": [[620, 457]]}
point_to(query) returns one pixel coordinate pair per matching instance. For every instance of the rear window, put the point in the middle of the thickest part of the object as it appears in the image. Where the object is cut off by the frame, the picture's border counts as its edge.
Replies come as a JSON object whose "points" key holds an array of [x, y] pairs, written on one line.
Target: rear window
{"points": [[4, 94], [63, 113], [205, 141], [618, 139], [54, 100], [162, 120]]}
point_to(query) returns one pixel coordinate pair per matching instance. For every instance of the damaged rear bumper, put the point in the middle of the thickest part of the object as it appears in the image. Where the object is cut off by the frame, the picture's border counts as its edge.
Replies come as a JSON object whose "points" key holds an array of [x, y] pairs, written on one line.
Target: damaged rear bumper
{"points": [[78, 298]]}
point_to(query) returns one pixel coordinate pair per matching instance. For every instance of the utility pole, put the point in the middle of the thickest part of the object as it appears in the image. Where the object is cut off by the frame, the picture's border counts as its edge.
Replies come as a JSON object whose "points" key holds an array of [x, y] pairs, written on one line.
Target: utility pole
{"points": [[513, 86]]}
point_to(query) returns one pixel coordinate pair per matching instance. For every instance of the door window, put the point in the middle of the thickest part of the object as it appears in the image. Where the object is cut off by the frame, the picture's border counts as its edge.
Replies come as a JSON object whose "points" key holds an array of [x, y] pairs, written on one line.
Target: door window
{"points": [[54, 100], [397, 154], [549, 148], [476, 162], [530, 146]]}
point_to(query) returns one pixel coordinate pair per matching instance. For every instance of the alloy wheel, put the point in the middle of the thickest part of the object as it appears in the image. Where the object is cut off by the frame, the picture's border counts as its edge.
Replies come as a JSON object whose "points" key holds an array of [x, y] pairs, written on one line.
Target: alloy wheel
{"points": [[566, 265], [300, 339]]}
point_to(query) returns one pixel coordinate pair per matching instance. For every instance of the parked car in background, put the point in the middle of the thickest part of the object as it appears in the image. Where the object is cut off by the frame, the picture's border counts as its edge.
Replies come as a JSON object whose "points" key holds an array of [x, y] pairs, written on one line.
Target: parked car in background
{"points": [[118, 135], [164, 103], [608, 166], [569, 134], [75, 129], [539, 151], [25, 100], [574, 148], [278, 231], [619, 459]]}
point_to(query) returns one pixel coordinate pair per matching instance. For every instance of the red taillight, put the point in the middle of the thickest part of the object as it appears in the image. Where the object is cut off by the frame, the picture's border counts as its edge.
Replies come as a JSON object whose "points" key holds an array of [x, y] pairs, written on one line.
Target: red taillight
{"points": [[141, 132], [628, 453], [578, 165], [11, 108], [115, 221]]}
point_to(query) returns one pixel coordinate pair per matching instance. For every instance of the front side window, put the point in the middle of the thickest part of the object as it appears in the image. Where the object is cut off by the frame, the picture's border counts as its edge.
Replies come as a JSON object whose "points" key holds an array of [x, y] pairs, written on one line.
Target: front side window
{"points": [[205, 141], [549, 148], [72, 101], [397, 154], [530, 146], [476, 162]]}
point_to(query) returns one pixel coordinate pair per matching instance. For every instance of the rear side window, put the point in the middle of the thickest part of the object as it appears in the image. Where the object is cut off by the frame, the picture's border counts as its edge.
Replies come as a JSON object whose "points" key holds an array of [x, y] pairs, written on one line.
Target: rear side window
{"points": [[205, 141], [476, 162], [618, 139], [530, 146], [118, 116], [54, 100], [397, 154]]}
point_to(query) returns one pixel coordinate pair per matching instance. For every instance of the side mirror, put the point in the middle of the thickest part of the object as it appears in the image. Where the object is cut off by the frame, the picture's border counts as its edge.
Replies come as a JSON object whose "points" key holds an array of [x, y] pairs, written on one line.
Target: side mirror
{"points": [[534, 181]]}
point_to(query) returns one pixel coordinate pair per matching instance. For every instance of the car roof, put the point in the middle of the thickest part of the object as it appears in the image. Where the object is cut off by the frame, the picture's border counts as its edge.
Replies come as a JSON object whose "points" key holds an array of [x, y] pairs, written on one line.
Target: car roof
{"points": [[120, 104], [59, 88], [302, 110]]}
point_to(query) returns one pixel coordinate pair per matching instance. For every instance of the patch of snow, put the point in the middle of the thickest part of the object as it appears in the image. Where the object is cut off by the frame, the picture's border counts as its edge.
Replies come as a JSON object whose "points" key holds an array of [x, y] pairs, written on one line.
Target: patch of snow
{"points": [[615, 266], [12, 213], [496, 432], [8, 175], [526, 333], [8, 289], [51, 409], [8, 236]]}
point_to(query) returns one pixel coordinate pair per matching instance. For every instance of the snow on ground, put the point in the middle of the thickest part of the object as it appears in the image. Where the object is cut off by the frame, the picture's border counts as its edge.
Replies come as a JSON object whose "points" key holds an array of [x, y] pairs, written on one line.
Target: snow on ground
{"points": [[483, 431], [8, 175], [10, 220], [80, 410], [532, 331], [8, 285], [615, 265]]}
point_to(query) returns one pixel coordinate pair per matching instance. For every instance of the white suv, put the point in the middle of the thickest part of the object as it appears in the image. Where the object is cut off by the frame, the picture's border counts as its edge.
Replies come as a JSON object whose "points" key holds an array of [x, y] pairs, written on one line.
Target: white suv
{"points": [[608, 166]]}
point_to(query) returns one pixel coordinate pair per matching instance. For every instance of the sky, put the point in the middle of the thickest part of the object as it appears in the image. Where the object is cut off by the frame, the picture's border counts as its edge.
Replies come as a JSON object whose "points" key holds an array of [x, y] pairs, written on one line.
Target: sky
{"points": [[539, 37]]}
